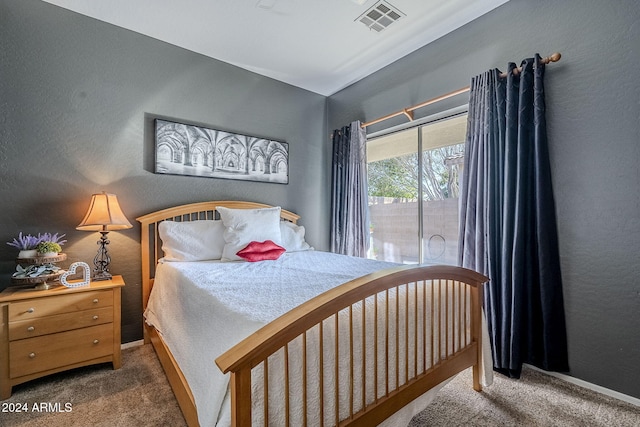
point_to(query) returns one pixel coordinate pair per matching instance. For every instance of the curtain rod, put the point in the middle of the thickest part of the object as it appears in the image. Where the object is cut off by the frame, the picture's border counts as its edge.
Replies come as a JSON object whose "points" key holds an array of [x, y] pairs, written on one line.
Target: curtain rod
{"points": [[408, 112]]}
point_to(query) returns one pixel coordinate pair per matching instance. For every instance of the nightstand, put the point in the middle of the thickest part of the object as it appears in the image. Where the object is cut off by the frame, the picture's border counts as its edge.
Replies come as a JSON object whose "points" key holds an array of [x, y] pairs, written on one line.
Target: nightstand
{"points": [[47, 331]]}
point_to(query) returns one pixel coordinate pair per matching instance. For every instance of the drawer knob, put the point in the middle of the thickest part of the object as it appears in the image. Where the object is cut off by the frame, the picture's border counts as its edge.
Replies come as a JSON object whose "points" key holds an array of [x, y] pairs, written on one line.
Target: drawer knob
{"points": [[32, 355], [95, 301], [96, 341], [31, 310], [95, 317], [31, 329]]}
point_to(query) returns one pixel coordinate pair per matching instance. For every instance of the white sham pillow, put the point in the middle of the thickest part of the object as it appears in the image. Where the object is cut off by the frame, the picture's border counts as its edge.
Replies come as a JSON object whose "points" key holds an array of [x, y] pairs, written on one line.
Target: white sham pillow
{"points": [[243, 226], [293, 237], [192, 240]]}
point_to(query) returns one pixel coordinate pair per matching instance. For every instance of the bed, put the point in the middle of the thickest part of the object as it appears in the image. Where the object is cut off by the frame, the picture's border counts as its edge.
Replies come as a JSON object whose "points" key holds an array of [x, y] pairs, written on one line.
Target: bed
{"points": [[307, 337]]}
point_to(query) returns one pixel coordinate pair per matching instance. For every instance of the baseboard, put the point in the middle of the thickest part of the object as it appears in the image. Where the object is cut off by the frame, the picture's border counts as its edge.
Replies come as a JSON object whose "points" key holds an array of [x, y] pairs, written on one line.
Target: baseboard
{"points": [[590, 386], [131, 344]]}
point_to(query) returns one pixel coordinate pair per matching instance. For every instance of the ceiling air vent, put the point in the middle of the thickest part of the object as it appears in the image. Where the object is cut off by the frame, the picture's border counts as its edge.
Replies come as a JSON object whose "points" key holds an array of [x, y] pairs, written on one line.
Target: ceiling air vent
{"points": [[380, 16]]}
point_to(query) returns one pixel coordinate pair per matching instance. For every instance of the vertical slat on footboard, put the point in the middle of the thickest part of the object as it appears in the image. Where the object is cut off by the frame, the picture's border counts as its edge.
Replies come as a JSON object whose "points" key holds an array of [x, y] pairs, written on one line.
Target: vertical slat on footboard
{"points": [[476, 330], [363, 372], [266, 388], [321, 368], [241, 408], [286, 387], [425, 316], [336, 375], [304, 378]]}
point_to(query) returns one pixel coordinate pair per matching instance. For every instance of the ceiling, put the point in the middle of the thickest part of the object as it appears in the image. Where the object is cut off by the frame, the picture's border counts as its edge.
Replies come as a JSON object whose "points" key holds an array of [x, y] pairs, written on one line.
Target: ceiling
{"points": [[318, 45]]}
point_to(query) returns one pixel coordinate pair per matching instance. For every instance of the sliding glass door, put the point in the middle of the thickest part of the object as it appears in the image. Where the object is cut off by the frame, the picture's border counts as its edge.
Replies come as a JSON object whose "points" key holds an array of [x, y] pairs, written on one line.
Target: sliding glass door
{"points": [[414, 178]]}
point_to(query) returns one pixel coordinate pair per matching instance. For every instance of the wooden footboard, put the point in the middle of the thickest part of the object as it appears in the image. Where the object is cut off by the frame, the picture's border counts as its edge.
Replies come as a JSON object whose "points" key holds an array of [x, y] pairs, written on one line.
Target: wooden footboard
{"points": [[400, 333]]}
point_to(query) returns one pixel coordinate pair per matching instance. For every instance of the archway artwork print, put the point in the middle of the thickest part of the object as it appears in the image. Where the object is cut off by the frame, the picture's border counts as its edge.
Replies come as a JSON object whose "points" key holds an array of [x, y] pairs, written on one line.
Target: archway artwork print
{"points": [[191, 150]]}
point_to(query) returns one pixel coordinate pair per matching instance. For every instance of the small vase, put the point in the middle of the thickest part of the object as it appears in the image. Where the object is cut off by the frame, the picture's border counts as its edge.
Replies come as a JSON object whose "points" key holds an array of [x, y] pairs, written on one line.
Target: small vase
{"points": [[27, 253]]}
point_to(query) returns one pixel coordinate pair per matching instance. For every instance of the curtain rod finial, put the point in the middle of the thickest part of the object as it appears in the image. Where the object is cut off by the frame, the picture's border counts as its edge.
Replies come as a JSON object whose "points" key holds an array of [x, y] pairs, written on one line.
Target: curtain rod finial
{"points": [[555, 57]]}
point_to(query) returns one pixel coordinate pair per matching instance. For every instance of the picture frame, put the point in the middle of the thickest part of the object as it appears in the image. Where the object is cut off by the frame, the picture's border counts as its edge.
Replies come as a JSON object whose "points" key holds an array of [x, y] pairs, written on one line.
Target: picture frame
{"points": [[190, 150]]}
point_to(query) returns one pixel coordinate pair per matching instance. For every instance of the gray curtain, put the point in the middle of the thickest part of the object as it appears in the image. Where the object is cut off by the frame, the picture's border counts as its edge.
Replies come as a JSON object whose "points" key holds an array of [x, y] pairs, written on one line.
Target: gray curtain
{"points": [[508, 220], [349, 204]]}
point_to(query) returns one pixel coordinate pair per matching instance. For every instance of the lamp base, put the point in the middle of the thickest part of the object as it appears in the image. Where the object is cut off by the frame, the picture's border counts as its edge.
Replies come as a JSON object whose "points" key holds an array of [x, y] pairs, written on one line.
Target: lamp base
{"points": [[102, 259], [103, 275]]}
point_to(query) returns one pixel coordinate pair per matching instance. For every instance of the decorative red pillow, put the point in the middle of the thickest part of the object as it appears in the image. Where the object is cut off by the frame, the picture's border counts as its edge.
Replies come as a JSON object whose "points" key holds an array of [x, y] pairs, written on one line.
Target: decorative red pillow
{"points": [[260, 251]]}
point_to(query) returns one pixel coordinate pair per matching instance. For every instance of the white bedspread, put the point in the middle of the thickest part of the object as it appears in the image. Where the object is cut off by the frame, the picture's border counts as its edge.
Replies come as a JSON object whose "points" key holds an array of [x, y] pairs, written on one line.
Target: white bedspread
{"points": [[203, 308]]}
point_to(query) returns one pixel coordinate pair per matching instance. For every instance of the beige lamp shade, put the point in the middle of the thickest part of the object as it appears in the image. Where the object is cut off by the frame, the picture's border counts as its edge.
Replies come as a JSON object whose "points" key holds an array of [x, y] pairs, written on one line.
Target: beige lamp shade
{"points": [[104, 214]]}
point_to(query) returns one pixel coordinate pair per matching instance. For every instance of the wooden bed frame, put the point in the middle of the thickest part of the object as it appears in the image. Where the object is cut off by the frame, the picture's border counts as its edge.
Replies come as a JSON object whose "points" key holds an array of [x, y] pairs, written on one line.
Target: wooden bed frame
{"points": [[449, 286]]}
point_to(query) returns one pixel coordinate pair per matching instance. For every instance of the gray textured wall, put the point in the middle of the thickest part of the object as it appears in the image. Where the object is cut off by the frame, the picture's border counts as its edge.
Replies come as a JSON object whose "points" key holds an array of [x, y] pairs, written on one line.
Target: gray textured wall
{"points": [[594, 133], [77, 100]]}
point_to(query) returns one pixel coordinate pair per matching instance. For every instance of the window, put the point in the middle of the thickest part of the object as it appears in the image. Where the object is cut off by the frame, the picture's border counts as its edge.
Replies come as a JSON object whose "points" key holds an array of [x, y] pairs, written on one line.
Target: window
{"points": [[414, 178]]}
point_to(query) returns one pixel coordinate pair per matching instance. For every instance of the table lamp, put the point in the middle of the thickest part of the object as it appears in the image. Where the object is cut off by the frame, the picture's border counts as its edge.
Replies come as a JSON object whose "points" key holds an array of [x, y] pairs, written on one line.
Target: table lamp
{"points": [[104, 215]]}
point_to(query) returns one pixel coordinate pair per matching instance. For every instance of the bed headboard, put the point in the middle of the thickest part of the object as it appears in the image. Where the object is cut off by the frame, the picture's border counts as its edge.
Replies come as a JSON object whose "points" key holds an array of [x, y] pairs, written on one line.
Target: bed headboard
{"points": [[152, 246]]}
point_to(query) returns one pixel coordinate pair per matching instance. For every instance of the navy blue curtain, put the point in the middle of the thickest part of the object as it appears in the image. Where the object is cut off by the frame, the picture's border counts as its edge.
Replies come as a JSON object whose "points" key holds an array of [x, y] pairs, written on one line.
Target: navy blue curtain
{"points": [[349, 202], [508, 220]]}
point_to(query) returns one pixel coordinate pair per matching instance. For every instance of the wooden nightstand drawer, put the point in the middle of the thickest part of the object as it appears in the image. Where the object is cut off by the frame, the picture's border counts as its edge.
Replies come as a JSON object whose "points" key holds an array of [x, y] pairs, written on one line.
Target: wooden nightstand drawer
{"points": [[58, 323], [38, 307], [37, 354]]}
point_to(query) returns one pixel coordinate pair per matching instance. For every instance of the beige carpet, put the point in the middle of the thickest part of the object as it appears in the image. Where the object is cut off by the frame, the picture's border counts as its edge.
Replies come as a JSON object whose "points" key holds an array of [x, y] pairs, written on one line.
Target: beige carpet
{"points": [[139, 395], [536, 399]]}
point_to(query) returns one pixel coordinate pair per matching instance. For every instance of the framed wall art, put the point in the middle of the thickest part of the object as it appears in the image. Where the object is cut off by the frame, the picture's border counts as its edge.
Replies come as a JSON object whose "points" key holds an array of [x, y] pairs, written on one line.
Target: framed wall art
{"points": [[183, 149]]}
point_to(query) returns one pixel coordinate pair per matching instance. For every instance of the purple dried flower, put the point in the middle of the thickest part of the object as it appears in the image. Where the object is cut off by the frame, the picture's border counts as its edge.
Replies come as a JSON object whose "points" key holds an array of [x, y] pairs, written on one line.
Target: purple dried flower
{"points": [[25, 243], [54, 238]]}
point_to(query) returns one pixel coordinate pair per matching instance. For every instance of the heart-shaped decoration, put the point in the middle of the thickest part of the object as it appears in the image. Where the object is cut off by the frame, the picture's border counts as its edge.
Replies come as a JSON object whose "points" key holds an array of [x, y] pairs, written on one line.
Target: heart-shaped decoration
{"points": [[72, 271]]}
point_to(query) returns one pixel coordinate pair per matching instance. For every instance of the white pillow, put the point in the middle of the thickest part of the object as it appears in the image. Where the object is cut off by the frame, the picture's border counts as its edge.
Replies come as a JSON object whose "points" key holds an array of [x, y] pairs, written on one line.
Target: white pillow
{"points": [[243, 226], [192, 240], [293, 237]]}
